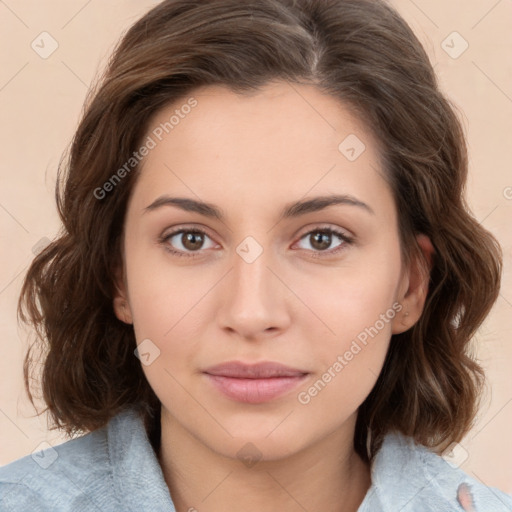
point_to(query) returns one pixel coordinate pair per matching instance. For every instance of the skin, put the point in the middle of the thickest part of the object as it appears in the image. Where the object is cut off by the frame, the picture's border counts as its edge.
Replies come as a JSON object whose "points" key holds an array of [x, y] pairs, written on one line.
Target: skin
{"points": [[295, 303]]}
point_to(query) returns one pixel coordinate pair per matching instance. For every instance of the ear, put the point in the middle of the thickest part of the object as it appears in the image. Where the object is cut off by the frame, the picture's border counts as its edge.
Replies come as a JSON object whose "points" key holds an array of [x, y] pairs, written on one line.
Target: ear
{"points": [[121, 304], [414, 287]]}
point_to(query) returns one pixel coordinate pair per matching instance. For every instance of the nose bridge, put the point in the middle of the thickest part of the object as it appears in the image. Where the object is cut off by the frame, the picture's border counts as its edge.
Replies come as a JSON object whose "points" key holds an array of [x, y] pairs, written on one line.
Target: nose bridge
{"points": [[252, 298], [251, 278]]}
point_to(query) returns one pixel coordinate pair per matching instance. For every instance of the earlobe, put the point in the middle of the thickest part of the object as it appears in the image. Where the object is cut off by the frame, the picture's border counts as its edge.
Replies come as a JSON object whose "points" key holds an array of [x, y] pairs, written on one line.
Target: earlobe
{"points": [[414, 297], [122, 310], [120, 303]]}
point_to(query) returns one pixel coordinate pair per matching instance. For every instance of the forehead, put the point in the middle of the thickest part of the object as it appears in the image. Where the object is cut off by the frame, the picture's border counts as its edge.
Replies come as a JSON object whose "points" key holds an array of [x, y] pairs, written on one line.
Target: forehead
{"points": [[283, 140], [278, 118]]}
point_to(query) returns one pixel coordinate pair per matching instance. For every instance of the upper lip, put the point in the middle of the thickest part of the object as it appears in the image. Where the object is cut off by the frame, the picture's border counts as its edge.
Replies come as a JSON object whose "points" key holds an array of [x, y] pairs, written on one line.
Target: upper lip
{"points": [[261, 370]]}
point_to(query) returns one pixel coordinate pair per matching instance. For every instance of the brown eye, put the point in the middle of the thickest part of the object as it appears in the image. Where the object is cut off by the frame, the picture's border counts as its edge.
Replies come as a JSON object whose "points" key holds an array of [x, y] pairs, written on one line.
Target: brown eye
{"points": [[184, 242], [192, 240], [321, 239]]}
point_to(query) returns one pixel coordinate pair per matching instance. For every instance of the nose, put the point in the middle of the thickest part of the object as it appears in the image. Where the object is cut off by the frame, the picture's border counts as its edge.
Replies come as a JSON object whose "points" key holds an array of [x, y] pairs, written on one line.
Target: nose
{"points": [[253, 299]]}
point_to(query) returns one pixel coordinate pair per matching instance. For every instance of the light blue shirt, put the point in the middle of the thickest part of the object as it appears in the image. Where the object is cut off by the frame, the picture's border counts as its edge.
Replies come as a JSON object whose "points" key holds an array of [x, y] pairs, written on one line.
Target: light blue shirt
{"points": [[115, 469]]}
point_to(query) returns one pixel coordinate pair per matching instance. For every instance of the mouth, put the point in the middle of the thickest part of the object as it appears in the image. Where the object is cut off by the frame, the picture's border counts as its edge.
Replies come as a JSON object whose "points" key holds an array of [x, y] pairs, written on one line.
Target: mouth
{"points": [[254, 383]]}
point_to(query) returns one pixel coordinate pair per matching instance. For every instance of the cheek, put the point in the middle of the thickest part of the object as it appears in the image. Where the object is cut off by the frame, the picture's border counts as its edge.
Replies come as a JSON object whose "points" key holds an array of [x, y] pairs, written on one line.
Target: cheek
{"points": [[166, 309], [349, 361], [169, 300], [352, 296], [161, 291], [171, 317], [357, 305]]}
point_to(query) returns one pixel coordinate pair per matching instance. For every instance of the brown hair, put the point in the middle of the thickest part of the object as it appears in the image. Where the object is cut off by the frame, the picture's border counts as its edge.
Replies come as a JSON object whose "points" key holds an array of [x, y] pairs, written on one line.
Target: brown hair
{"points": [[362, 53]]}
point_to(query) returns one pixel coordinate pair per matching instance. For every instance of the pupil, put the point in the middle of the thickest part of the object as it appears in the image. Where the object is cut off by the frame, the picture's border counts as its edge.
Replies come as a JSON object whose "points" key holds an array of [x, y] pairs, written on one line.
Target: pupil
{"points": [[318, 243], [193, 240]]}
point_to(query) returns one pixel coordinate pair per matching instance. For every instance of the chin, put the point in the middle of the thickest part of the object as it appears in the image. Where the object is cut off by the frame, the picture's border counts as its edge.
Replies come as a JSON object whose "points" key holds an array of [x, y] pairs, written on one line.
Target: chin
{"points": [[267, 440]]}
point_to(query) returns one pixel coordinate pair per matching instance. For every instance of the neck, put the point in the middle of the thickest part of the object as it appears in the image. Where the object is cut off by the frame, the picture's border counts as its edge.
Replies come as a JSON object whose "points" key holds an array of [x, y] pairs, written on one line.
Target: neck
{"points": [[328, 475]]}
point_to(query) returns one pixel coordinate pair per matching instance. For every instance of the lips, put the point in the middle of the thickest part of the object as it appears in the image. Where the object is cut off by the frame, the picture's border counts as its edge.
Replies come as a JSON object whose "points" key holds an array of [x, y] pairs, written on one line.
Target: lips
{"points": [[263, 370], [254, 383]]}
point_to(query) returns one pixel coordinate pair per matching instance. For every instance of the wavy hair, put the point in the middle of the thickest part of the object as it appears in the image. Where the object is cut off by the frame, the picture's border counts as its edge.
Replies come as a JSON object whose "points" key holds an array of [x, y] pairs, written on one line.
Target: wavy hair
{"points": [[362, 53]]}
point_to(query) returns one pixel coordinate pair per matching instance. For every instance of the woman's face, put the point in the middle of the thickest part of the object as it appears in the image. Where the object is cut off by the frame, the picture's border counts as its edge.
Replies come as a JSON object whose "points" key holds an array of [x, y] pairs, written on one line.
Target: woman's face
{"points": [[257, 276]]}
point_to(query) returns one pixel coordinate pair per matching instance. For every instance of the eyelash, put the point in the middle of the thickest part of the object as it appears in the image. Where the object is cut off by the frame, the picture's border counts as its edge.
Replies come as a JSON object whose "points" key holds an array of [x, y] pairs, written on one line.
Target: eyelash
{"points": [[316, 254]]}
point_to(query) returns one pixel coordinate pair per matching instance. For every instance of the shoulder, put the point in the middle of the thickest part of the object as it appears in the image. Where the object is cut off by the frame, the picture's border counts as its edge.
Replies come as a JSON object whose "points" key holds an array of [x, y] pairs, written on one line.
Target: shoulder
{"points": [[60, 477], [99, 471], [410, 477]]}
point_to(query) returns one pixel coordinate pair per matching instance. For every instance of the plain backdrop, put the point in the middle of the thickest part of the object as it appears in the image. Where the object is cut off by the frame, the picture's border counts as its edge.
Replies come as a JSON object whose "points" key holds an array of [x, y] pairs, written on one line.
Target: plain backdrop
{"points": [[469, 43]]}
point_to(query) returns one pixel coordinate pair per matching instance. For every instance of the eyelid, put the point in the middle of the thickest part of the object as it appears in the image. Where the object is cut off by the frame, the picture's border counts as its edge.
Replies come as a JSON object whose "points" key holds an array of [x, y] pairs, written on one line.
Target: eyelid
{"points": [[346, 237], [326, 227], [176, 230], [185, 227]]}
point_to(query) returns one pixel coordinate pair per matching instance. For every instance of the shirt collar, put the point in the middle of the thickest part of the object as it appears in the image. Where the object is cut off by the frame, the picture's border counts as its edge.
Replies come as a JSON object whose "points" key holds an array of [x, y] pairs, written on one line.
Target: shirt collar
{"points": [[408, 476], [398, 470], [138, 478]]}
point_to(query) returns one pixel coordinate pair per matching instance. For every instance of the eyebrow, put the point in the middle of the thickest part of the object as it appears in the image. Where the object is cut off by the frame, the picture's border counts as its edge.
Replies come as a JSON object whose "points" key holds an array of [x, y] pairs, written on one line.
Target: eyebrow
{"points": [[291, 210]]}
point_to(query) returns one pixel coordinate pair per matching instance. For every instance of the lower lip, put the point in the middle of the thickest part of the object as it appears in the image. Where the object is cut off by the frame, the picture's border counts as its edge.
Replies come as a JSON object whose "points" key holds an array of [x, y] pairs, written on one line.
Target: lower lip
{"points": [[254, 391]]}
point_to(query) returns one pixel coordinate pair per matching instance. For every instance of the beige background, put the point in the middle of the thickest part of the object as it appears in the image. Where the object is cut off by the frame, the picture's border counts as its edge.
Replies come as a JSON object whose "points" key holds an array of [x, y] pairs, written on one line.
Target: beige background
{"points": [[40, 103]]}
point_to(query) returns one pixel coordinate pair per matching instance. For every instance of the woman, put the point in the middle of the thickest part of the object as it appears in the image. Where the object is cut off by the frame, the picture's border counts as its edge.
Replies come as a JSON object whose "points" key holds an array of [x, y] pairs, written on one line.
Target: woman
{"points": [[267, 278]]}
